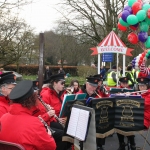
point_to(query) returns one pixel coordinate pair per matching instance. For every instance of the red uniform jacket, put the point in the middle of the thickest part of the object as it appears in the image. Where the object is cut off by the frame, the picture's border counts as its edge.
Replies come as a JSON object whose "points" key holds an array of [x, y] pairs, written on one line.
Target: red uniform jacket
{"points": [[19, 126], [146, 97], [51, 97], [4, 105], [41, 110]]}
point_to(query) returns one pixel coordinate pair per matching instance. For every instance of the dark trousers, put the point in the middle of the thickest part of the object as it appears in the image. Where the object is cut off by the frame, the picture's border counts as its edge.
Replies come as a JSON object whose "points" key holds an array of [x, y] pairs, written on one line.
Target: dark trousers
{"points": [[130, 139], [100, 141], [59, 132]]}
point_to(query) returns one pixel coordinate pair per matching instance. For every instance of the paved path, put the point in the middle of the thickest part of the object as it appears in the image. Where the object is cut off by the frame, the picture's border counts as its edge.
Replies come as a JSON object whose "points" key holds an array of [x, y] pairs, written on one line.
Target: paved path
{"points": [[113, 144]]}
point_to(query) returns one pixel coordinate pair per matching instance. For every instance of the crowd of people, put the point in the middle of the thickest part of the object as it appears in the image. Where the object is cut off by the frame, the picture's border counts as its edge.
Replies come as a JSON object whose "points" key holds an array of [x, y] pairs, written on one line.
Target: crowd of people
{"points": [[33, 115]]}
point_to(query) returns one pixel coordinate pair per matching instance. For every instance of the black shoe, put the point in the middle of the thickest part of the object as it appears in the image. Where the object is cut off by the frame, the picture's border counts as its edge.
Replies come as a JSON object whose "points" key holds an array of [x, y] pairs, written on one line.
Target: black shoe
{"points": [[122, 146], [132, 147], [100, 148]]}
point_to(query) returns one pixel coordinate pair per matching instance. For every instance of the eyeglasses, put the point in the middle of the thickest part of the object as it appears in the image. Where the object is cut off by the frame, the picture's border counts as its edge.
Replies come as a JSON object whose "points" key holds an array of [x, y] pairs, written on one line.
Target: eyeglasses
{"points": [[62, 82]]}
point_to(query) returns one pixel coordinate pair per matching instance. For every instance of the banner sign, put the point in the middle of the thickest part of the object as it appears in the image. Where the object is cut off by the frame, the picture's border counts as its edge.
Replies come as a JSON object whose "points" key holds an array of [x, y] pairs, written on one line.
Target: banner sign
{"points": [[118, 115]]}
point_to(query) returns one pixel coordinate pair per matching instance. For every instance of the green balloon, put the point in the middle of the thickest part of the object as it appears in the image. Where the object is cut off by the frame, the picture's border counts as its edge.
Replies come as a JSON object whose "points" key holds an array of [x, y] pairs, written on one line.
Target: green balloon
{"points": [[147, 20], [148, 52], [123, 22], [147, 43], [131, 2], [146, 7], [132, 20], [141, 15], [144, 26]]}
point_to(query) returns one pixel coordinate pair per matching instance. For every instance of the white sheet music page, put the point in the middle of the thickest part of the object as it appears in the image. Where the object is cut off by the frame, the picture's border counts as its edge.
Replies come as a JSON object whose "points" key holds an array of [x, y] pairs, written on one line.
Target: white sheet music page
{"points": [[82, 124], [71, 130]]}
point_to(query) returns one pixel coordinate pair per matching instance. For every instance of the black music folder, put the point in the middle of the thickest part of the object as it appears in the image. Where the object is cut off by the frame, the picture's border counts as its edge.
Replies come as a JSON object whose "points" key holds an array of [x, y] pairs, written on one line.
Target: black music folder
{"points": [[78, 123]]}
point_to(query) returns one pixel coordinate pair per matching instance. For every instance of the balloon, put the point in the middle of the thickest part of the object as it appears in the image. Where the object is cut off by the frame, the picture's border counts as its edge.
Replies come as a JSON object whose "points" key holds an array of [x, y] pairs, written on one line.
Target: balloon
{"points": [[133, 27], [136, 7], [147, 20], [148, 13], [148, 52], [142, 36], [146, 7], [125, 14], [128, 8], [131, 2], [141, 15], [123, 23], [144, 26], [140, 1], [132, 20], [147, 43], [122, 28], [133, 38]]}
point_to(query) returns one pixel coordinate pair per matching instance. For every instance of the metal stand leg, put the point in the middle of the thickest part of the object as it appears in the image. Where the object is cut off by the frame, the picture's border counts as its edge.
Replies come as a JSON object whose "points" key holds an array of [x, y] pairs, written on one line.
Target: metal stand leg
{"points": [[81, 145]]}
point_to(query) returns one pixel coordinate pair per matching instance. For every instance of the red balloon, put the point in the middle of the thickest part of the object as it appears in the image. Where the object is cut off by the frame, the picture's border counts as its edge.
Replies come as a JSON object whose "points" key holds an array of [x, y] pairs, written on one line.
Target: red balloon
{"points": [[136, 7], [121, 27], [133, 27], [148, 13], [133, 38], [140, 1]]}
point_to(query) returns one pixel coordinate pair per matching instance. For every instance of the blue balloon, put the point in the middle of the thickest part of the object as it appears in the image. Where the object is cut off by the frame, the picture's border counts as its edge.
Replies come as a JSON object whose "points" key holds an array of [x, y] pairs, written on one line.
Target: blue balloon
{"points": [[128, 8], [124, 15]]}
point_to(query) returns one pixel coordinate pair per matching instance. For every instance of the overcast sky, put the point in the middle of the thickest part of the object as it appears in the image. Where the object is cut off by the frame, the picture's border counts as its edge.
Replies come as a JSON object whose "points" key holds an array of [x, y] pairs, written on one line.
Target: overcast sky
{"points": [[41, 14]]}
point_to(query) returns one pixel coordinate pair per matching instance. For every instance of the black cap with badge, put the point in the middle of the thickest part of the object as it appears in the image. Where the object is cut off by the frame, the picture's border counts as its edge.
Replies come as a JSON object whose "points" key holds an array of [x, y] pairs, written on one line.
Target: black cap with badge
{"points": [[123, 79], [7, 78], [143, 81], [22, 91], [93, 80]]}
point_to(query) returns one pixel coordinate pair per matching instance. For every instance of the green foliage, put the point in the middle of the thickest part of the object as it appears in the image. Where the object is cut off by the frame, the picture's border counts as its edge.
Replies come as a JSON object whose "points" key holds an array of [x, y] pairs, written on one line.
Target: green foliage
{"points": [[85, 71], [29, 77]]}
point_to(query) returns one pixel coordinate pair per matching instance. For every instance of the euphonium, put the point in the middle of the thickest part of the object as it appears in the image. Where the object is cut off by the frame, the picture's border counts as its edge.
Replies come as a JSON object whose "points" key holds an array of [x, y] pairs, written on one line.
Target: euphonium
{"points": [[48, 108]]}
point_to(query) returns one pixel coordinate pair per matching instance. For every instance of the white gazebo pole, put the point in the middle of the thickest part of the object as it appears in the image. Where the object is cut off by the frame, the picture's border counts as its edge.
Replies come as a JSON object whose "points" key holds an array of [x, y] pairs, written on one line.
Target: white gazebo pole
{"points": [[98, 66], [117, 67], [124, 65]]}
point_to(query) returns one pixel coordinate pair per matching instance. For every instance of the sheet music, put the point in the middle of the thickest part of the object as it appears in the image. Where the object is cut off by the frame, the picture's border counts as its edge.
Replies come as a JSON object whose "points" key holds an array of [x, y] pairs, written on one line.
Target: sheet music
{"points": [[73, 122], [78, 123], [82, 124]]}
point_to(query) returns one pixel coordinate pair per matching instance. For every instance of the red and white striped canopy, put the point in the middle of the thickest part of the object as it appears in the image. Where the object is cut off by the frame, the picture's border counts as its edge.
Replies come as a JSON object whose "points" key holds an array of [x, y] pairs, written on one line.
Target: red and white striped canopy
{"points": [[111, 40]]}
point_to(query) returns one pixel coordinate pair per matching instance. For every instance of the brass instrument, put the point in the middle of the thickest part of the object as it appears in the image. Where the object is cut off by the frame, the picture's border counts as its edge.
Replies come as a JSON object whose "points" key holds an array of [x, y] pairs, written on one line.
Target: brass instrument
{"points": [[97, 94], [70, 90], [48, 108], [46, 125], [103, 88]]}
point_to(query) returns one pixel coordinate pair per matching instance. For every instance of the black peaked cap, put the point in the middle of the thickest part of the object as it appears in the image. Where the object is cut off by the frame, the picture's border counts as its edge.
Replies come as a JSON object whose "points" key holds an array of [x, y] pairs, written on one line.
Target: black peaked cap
{"points": [[56, 77], [143, 80], [7, 78], [124, 79], [22, 91], [93, 80], [98, 76]]}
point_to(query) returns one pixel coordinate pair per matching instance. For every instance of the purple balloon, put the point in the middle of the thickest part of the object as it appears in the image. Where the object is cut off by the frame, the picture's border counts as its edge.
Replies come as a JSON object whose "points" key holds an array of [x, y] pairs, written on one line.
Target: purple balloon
{"points": [[128, 8], [142, 36], [136, 25], [124, 15]]}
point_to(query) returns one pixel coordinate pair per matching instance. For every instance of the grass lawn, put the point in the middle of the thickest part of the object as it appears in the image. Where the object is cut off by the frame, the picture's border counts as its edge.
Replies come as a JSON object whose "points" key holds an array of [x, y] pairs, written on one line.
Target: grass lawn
{"points": [[68, 80]]}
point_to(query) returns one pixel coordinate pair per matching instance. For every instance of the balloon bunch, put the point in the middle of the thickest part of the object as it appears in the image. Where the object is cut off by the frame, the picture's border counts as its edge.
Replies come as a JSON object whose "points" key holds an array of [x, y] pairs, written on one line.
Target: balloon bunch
{"points": [[137, 61], [148, 54], [136, 17]]}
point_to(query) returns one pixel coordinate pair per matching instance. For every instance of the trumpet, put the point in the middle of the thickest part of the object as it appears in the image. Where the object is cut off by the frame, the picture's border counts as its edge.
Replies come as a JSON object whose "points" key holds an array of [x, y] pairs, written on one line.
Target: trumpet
{"points": [[70, 89], [97, 94], [48, 108]]}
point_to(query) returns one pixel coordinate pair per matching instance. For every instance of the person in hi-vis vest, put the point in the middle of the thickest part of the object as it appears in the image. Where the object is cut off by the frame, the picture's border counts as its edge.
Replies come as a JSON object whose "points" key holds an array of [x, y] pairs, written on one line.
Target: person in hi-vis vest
{"points": [[130, 76], [111, 77]]}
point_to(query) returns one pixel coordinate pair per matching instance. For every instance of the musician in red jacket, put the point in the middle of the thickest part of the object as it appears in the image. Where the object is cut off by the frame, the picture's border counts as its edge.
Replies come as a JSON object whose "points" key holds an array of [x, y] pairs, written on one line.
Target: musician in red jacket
{"points": [[54, 94], [7, 83], [25, 129], [90, 88], [144, 84], [124, 84]]}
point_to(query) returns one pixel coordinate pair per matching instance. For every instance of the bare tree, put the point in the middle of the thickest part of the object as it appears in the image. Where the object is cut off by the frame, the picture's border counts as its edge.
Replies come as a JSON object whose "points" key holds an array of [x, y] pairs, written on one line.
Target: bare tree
{"points": [[92, 19]]}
